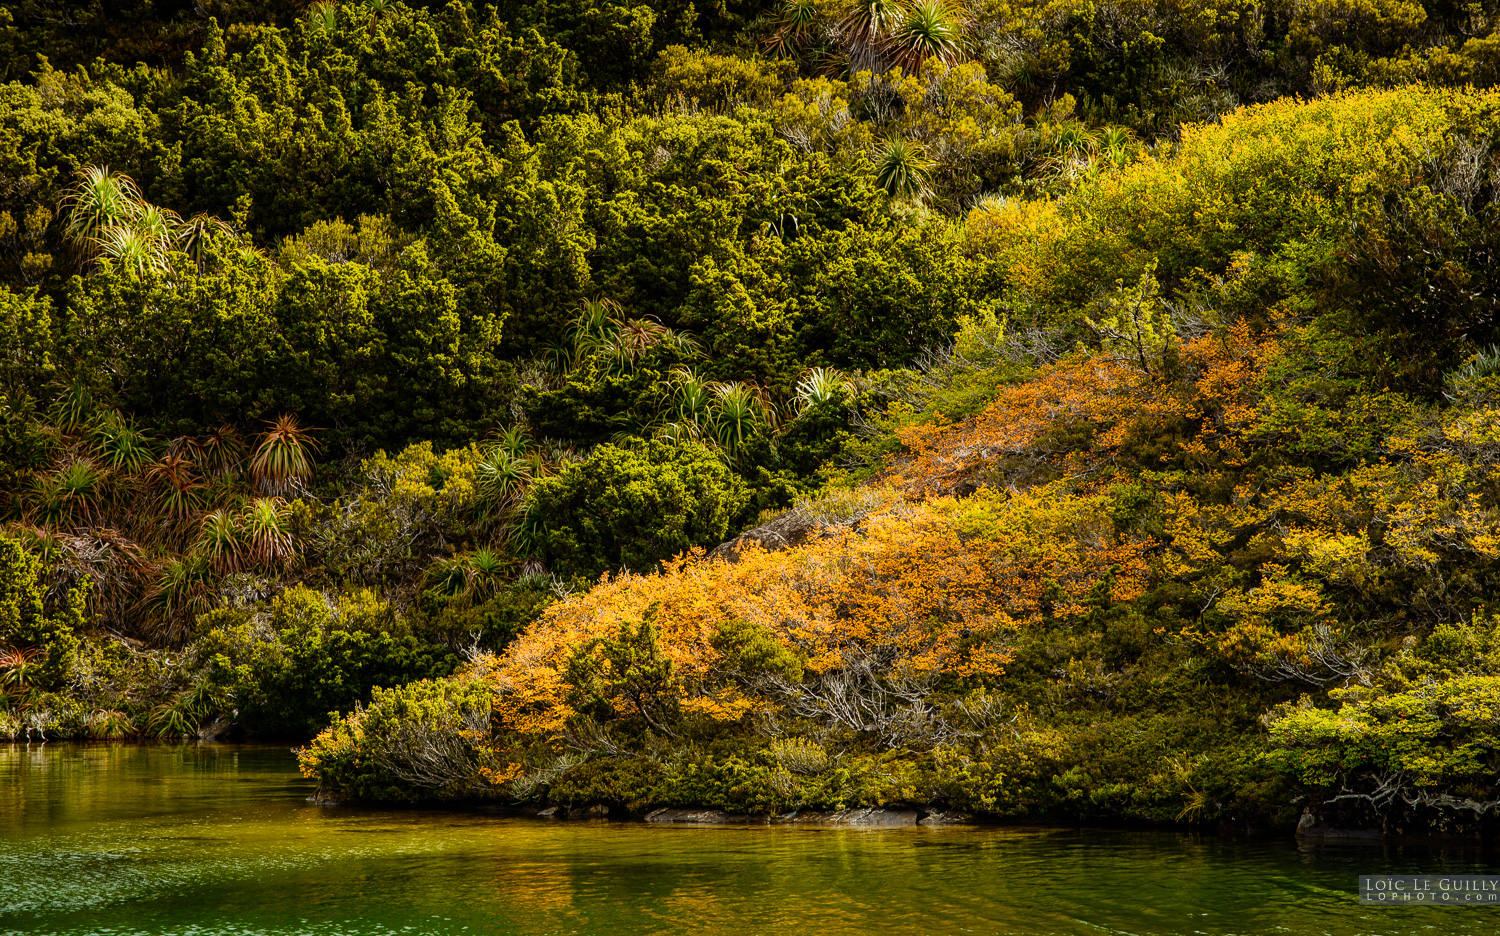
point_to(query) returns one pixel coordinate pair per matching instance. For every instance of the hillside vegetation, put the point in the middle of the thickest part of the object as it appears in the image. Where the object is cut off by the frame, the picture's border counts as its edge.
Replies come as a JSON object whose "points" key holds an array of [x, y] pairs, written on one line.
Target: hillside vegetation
{"points": [[1108, 397], [1230, 555]]}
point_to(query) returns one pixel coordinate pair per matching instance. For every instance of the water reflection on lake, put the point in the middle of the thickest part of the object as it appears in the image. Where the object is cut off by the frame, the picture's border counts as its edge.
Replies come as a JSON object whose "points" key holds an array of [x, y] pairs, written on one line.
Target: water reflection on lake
{"points": [[123, 839]]}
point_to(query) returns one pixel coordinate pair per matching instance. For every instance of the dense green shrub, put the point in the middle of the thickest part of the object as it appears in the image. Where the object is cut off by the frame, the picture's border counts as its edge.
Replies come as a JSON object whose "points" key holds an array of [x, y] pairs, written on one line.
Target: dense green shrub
{"points": [[490, 623], [37, 637], [409, 743], [630, 508], [284, 676], [379, 358]]}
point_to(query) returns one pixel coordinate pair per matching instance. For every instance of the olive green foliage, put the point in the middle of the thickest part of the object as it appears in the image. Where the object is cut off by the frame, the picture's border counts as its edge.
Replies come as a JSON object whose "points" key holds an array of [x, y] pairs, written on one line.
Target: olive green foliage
{"points": [[340, 344], [1423, 736], [1297, 252], [37, 638], [408, 744], [630, 508], [284, 675], [692, 76], [338, 341], [492, 621], [631, 672], [397, 514], [755, 651], [1151, 66]]}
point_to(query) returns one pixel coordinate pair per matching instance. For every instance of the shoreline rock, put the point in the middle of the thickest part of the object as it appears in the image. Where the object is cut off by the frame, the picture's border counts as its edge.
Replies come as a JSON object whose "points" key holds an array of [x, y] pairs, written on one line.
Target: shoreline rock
{"points": [[868, 817]]}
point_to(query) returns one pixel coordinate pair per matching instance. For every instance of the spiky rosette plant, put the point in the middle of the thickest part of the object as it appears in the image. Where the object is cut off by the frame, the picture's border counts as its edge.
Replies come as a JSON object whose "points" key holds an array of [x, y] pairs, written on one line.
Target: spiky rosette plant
{"points": [[864, 26], [821, 386], [796, 27], [222, 451], [599, 328], [157, 225], [72, 494], [221, 541], [594, 321], [73, 409], [903, 170], [121, 446], [502, 478], [182, 591], [198, 235], [692, 397], [1116, 145], [738, 411], [131, 251], [108, 725], [634, 337], [17, 666], [283, 464], [99, 200], [486, 569], [323, 18], [513, 441], [678, 432], [43, 542], [265, 530], [925, 29], [447, 576], [174, 491], [472, 577]]}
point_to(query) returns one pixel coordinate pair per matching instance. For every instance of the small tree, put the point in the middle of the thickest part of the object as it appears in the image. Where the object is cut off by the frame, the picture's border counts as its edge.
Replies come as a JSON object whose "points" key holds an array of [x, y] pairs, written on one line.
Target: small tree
{"points": [[40, 643], [1135, 320]]}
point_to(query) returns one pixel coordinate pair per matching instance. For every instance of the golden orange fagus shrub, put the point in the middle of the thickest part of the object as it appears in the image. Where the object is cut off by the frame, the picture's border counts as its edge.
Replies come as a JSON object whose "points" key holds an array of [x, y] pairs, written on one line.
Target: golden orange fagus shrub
{"points": [[1070, 419], [919, 592]]}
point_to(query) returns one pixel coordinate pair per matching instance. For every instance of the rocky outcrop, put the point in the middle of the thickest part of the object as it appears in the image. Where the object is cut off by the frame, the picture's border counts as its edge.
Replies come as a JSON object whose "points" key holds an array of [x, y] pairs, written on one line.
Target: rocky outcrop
{"points": [[700, 817], [873, 817], [836, 516], [792, 528]]}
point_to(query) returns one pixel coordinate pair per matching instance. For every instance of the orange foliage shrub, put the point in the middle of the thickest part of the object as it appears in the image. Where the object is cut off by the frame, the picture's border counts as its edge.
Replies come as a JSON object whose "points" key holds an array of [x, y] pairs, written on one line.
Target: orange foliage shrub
{"points": [[1213, 387], [922, 592]]}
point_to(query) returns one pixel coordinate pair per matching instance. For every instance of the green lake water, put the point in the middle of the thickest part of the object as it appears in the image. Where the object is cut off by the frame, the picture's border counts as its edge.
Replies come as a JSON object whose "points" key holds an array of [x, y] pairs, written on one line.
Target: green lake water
{"points": [[125, 839]]}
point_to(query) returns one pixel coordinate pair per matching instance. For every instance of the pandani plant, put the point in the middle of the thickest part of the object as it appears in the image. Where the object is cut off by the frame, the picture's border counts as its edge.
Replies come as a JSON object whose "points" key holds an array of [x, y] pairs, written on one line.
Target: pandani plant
{"points": [[106, 218], [821, 386], [874, 35], [282, 464], [600, 329], [100, 200], [903, 170]]}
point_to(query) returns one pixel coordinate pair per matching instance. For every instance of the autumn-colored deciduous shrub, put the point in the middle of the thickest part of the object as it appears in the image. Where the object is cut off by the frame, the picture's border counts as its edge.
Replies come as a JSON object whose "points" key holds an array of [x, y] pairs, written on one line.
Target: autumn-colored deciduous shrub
{"points": [[865, 631]]}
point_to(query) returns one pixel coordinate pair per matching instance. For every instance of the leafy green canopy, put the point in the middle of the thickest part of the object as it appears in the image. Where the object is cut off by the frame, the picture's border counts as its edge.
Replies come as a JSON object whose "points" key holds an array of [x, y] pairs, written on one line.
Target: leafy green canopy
{"points": [[629, 509]]}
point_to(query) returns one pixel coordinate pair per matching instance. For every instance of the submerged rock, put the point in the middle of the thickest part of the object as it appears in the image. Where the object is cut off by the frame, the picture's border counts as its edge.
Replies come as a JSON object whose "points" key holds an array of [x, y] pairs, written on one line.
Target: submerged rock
{"points": [[936, 818], [871, 817], [1317, 827], [596, 811], [699, 817]]}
